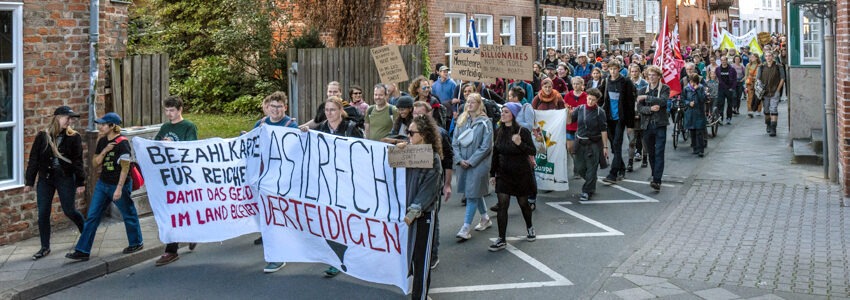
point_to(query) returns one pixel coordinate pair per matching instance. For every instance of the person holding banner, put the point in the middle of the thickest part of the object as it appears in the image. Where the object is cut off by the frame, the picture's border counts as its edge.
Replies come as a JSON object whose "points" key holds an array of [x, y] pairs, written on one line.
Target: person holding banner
{"points": [[176, 129], [511, 171], [113, 185], [592, 135], [423, 192], [333, 90], [652, 106], [574, 99], [472, 145], [548, 98], [56, 159]]}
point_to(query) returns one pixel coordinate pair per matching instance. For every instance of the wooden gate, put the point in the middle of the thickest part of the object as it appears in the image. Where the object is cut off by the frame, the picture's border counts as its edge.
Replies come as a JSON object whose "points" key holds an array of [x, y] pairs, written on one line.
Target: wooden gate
{"points": [[349, 66], [139, 84]]}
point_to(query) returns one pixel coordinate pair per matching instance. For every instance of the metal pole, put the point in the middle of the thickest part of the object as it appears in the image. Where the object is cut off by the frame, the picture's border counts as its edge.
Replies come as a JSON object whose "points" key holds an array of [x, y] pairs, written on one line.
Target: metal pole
{"points": [[94, 17], [830, 140]]}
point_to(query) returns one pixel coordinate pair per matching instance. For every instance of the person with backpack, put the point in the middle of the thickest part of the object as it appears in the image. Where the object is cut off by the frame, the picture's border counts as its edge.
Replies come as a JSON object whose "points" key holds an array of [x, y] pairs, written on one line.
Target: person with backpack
{"points": [[618, 99], [56, 159], [472, 144], [114, 185], [176, 129], [592, 140], [379, 118]]}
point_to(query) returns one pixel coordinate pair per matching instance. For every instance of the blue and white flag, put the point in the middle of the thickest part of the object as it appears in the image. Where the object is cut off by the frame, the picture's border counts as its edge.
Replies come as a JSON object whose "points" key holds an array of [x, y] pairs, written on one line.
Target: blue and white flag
{"points": [[472, 38]]}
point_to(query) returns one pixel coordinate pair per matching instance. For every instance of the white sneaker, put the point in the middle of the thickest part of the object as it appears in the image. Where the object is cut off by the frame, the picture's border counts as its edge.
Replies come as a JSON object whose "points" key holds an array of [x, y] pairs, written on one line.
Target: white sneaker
{"points": [[464, 232], [484, 224]]}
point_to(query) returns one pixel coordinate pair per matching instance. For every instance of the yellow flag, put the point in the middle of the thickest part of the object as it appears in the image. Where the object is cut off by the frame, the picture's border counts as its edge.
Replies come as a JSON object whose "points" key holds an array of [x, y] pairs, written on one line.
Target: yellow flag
{"points": [[727, 43], [755, 48]]}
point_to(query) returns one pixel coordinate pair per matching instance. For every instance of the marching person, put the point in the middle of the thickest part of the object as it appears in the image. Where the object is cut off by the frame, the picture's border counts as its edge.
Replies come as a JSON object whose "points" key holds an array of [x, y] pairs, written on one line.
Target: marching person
{"points": [[753, 102], [574, 99], [592, 137], [423, 197], [511, 171], [56, 158], [380, 116], [114, 185], [619, 99], [695, 120], [728, 79], [176, 129], [636, 147], [773, 78], [652, 106], [472, 145]]}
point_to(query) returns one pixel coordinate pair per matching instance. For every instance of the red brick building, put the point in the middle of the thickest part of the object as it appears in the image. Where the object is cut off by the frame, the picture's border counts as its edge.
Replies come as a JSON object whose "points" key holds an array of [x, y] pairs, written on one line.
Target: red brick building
{"points": [[631, 24], [842, 93], [44, 63], [693, 19]]}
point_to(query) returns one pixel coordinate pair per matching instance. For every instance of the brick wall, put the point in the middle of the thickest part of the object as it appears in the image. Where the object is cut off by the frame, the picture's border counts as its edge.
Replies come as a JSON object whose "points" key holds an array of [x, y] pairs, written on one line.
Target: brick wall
{"points": [[842, 93], [56, 66], [626, 28], [687, 18], [570, 12], [496, 8]]}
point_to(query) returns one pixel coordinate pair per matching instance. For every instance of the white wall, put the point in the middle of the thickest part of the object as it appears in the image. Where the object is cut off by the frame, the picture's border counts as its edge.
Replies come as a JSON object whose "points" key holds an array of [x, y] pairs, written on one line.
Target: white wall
{"points": [[763, 12]]}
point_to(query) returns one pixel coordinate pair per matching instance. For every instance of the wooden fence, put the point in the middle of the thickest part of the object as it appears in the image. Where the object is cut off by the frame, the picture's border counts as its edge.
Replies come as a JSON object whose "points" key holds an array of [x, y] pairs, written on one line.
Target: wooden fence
{"points": [[139, 84], [349, 66]]}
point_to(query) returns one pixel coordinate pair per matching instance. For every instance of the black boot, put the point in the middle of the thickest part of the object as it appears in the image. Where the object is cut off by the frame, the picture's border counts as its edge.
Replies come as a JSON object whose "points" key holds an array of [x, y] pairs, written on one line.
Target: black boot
{"points": [[772, 128], [767, 124], [630, 166]]}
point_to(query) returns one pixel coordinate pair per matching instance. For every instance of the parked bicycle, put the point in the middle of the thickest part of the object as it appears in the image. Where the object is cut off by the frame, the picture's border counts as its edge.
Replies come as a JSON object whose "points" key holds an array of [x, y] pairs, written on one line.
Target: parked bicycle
{"points": [[713, 117]]}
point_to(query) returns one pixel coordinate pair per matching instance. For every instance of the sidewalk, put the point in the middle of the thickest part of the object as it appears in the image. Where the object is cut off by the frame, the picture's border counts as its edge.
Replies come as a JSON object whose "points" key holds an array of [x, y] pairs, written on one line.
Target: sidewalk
{"points": [[749, 225], [23, 278]]}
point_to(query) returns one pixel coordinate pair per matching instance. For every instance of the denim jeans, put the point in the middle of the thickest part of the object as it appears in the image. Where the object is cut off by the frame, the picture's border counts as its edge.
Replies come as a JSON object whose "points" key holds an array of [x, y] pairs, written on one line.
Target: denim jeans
{"points": [[47, 188], [655, 140], [100, 200], [473, 204], [616, 131]]}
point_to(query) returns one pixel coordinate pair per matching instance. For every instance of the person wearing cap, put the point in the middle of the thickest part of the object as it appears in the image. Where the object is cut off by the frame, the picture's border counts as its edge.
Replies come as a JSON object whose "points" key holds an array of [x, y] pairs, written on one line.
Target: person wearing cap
{"points": [[511, 171], [114, 185], [379, 119], [445, 88], [56, 159], [557, 83], [583, 68], [176, 129], [436, 75]]}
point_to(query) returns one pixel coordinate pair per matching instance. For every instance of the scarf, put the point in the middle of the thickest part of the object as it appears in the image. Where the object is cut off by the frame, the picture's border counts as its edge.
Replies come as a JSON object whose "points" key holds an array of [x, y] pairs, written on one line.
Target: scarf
{"points": [[547, 98]]}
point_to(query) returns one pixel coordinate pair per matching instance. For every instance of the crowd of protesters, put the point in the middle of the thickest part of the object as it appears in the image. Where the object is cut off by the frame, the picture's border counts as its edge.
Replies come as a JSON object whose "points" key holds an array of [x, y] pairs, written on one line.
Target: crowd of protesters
{"points": [[480, 134]]}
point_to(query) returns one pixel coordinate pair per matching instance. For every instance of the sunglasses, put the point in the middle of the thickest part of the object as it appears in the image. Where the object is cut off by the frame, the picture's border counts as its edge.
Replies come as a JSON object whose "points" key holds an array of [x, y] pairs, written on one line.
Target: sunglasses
{"points": [[425, 88], [357, 93]]}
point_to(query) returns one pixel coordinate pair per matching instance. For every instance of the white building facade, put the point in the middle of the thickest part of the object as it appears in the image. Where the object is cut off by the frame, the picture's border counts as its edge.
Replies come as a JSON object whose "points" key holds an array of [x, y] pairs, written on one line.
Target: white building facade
{"points": [[763, 15]]}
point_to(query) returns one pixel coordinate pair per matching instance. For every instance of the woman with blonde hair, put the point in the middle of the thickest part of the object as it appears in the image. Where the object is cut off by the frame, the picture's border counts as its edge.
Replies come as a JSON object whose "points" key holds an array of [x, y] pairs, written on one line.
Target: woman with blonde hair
{"points": [[473, 145], [56, 158]]}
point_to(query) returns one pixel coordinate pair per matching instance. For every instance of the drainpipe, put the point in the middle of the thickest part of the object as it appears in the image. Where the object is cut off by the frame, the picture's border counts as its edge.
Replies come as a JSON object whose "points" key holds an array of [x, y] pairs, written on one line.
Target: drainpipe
{"points": [[94, 17], [830, 140], [538, 25]]}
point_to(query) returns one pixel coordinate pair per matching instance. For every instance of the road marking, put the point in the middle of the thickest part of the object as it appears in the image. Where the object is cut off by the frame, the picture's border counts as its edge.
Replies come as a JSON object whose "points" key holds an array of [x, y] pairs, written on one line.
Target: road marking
{"points": [[644, 182], [643, 198], [557, 205], [558, 280]]}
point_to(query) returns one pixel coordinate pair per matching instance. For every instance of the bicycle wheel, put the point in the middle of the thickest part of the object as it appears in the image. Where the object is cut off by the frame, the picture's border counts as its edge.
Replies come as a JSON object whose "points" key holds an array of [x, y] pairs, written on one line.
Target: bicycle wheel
{"points": [[714, 127], [675, 137], [682, 129]]}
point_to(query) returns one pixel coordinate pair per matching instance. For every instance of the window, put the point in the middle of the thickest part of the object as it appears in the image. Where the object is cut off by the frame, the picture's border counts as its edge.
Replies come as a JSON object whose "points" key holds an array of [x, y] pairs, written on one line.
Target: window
{"points": [[653, 21], [627, 46], [632, 5], [612, 7], [484, 29], [455, 25], [11, 97], [508, 33], [551, 33], [567, 34], [583, 42], [641, 7], [810, 39], [623, 7], [595, 38]]}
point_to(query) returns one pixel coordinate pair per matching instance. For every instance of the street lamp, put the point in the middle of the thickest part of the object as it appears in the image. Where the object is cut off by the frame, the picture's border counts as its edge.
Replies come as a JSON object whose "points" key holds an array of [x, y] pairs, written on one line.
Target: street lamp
{"points": [[825, 10]]}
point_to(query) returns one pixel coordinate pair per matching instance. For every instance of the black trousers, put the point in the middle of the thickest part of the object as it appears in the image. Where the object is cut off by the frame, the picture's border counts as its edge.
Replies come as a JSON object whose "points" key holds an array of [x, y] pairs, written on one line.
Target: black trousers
{"points": [[421, 264], [617, 129]]}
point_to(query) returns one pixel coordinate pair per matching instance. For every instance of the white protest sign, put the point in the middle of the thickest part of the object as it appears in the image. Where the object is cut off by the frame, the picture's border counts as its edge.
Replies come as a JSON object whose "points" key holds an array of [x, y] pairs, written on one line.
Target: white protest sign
{"points": [[333, 200], [200, 191], [550, 137]]}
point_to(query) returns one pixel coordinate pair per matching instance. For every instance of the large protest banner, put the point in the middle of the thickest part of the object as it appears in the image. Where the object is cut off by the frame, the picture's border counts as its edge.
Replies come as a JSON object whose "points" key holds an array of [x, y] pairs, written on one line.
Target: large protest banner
{"points": [[514, 62], [334, 200], [550, 138], [200, 191]]}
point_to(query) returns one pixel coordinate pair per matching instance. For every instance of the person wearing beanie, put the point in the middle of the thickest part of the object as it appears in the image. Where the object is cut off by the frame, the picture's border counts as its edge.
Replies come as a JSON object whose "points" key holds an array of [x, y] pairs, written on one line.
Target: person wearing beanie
{"points": [[511, 171], [399, 133]]}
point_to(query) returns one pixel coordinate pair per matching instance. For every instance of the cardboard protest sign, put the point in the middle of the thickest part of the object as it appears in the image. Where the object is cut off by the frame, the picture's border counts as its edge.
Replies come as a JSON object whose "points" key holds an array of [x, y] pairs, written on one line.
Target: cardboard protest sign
{"points": [[514, 62], [466, 65], [550, 136], [764, 38], [390, 64], [412, 156], [334, 200], [200, 191]]}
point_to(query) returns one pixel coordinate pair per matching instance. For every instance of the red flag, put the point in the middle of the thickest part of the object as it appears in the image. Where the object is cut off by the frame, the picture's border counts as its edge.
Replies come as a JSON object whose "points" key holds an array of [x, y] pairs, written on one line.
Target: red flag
{"points": [[666, 59], [674, 42]]}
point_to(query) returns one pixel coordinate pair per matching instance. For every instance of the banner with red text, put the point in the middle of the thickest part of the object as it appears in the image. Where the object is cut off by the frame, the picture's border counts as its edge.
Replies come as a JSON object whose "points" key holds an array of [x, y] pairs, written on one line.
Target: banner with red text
{"points": [[199, 190], [333, 200]]}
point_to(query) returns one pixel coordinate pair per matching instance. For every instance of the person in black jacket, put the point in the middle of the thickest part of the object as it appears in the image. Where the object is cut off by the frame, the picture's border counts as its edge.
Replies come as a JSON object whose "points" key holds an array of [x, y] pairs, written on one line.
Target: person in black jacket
{"points": [[56, 158], [618, 99]]}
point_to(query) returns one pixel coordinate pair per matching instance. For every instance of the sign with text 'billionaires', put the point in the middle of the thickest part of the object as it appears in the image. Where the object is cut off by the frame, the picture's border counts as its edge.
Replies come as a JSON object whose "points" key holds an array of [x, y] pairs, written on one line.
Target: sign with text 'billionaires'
{"points": [[200, 191], [466, 65], [315, 198], [389, 63], [514, 62], [335, 200]]}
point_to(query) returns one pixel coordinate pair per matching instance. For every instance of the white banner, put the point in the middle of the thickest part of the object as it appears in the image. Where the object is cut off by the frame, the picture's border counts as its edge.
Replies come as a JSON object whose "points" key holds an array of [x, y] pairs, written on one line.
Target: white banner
{"points": [[315, 197], [334, 200], [550, 139], [199, 190]]}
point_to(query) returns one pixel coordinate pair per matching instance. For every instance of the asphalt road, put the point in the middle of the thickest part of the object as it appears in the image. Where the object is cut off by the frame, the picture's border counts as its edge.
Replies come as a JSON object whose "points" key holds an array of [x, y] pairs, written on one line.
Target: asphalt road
{"points": [[578, 245]]}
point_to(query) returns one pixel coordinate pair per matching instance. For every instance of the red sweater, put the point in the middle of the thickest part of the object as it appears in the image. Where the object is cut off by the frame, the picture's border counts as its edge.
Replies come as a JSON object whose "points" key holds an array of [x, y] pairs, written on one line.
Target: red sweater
{"points": [[574, 102]]}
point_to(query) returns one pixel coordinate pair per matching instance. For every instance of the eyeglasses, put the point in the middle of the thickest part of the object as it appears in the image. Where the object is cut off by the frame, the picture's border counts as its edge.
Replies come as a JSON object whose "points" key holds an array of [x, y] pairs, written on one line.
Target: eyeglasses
{"points": [[412, 132], [276, 106], [425, 88]]}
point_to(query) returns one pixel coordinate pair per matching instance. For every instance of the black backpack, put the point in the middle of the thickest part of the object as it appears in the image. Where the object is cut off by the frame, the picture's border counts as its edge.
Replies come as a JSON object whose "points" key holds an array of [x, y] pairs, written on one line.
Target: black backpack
{"points": [[493, 110], [439, 112]]}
